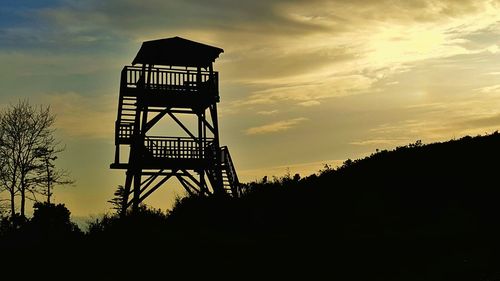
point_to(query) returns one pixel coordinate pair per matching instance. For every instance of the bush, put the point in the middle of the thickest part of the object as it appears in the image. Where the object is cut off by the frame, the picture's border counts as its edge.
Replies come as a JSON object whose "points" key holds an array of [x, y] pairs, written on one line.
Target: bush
{"points": [[50, 227]]}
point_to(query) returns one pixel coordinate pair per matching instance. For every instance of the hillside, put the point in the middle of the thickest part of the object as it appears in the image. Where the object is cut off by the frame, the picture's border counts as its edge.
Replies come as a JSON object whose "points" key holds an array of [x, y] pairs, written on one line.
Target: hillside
{"points": [[418, 212]]}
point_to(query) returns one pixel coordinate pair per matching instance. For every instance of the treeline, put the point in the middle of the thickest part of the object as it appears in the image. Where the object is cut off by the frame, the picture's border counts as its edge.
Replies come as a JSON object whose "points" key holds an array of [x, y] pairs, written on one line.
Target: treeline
{"points": [[49, 227]]}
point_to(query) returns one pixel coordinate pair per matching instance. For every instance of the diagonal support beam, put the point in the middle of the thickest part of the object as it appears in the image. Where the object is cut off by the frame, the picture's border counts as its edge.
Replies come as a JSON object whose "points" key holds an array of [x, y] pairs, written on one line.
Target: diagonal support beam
{"points": [[182, 125], [160, 183], [187, 186], [203, 187], [150, 178], [155, 119], [149, 181], [208, 125]]}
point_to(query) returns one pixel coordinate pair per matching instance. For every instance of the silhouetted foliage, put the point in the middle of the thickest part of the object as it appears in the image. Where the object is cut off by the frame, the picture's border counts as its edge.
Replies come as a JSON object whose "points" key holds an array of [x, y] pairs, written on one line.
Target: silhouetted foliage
{"points": [[418, 212], [50, 227], [144, 221], [53, 221], [118, 200]]}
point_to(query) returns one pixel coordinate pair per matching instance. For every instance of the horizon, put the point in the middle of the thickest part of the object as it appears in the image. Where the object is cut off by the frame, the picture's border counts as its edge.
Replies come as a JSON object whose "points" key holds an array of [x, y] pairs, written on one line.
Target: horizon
{"points": [[302, 83]]}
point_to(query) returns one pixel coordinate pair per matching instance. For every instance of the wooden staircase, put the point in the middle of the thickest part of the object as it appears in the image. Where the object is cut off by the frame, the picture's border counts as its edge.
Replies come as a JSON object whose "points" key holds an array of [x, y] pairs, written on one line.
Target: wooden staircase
{"points": [[228, 181], [127, 110]]}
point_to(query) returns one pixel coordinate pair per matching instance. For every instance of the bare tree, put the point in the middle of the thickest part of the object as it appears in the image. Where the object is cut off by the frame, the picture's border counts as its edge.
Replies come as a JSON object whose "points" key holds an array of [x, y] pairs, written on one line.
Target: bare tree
{"points": [[48, 176], [24, 130], [9, 158]]}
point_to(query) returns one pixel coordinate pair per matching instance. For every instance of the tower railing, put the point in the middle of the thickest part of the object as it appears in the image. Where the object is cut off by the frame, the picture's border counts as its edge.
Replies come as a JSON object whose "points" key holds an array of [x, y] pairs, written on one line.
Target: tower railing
{"points": [[167, 79], [176, 147]]}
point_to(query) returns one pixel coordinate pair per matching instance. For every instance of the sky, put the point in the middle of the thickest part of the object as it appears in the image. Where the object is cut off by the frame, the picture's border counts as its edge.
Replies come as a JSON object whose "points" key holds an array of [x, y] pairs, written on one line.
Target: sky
{"points": [[303, 83]]}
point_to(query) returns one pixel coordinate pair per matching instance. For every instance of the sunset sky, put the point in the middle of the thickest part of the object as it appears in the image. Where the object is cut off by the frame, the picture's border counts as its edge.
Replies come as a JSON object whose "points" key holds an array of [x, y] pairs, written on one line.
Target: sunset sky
{"points": [[303, 83]]}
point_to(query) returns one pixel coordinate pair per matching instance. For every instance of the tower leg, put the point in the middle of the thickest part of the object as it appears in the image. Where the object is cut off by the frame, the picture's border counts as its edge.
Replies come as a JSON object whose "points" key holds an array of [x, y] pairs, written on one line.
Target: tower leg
{"points": [[203, 184], [117, 154], [128, 183], [137, 191]]}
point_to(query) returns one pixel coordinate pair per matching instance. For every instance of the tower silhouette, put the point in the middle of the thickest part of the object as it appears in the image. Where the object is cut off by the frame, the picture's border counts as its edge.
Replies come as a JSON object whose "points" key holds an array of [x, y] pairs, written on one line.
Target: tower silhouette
{"points": [[170, 78]]}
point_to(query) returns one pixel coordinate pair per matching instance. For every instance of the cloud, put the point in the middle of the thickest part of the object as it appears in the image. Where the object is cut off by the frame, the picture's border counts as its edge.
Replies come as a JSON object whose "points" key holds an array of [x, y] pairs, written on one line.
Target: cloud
{"points": [[492, 73], [309, 103], [382, 142], [493, 49], [305, 88], [387, 40], [275, 127], [489, 89], [487, 122], [268, 112], [430, 122]]}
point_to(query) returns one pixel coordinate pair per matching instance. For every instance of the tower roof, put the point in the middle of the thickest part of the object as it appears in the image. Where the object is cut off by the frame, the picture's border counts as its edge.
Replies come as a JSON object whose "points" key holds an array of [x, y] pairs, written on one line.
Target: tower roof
{"points": [[176, 51]]}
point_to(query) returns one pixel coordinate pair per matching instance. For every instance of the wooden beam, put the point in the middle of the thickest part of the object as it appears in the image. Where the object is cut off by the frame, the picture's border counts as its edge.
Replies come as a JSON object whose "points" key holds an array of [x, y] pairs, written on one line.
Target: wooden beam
{"points": [[208, 125], [195, 181], [137, 190], [151, 177], [182, 125], [172, 110], [150, 180], [182, 111], [158, 173], [191, 185], [190, 176], [155, 120], [187, 186], [154, 188]]}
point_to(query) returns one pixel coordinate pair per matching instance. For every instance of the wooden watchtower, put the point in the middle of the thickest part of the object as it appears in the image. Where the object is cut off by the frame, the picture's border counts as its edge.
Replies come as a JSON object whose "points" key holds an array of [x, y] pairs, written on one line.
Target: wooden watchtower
{"points": [[169, 78]]}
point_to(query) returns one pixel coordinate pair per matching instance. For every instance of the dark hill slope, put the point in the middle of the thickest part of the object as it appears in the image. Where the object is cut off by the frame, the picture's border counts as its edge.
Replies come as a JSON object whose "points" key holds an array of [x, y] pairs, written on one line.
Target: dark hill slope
{"points": [[417, 181], [419, 212]]}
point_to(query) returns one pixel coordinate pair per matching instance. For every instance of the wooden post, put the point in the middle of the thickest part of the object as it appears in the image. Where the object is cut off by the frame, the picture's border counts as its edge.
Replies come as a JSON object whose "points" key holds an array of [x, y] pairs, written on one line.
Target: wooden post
{"points": [[198, 78], [128, 183]]}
